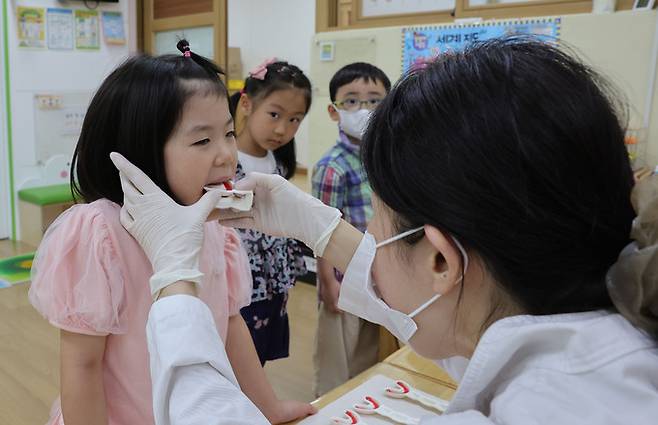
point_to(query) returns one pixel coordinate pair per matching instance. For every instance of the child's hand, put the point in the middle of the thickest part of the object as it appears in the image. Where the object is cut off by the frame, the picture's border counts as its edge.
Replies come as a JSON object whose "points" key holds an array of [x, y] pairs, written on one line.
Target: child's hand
{"points": [[289, 410]]}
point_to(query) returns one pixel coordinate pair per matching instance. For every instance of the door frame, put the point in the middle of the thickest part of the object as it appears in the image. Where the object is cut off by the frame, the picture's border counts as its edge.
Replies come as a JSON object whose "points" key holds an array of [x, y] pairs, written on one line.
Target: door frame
{"points": [[217, 18]]}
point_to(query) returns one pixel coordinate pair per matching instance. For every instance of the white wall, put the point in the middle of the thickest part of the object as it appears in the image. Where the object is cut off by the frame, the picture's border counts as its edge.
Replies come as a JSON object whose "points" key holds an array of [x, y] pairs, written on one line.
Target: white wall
{"points": [[618, 45], [281, 28], [43, 71], [5, 212]]}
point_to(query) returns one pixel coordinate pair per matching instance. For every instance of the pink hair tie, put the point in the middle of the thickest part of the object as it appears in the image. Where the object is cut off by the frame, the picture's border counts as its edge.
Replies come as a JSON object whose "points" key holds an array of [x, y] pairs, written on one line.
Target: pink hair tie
{"points": [[261, 70], [187, 54]]}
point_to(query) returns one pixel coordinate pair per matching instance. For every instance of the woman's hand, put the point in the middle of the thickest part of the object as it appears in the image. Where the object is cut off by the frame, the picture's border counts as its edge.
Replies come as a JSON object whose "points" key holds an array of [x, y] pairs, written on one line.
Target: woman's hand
{"points": [[170, 234], [282, 209]]}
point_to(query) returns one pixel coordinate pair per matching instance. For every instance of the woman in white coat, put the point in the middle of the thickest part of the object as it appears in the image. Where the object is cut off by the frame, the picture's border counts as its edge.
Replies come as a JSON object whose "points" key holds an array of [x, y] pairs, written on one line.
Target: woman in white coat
{"points": [[501, 231]]}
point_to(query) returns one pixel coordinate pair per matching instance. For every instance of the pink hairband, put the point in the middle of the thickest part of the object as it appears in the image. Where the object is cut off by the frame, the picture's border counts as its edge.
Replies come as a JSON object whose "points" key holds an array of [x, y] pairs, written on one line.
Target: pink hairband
{"points": [[261, 70]]}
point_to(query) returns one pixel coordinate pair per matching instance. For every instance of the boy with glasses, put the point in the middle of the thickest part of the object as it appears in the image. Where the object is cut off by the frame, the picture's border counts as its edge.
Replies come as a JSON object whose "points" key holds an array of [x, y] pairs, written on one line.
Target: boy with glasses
{"points": [[345, 345]]}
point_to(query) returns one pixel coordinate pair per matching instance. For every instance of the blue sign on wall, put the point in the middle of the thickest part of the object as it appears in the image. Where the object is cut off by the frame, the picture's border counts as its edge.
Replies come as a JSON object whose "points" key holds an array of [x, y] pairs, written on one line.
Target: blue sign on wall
{"points": [[421, 45]]}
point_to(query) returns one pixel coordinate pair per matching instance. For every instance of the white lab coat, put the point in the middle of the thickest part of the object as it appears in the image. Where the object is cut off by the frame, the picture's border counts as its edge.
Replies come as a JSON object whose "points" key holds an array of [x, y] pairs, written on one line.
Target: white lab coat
{"points": [[581, 368], [192, 379], [585, 368]]}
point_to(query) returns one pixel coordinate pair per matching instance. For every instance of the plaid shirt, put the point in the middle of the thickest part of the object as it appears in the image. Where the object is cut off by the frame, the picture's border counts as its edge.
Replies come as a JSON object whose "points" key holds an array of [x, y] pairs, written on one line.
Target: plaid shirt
{"points": [[339, 180]]}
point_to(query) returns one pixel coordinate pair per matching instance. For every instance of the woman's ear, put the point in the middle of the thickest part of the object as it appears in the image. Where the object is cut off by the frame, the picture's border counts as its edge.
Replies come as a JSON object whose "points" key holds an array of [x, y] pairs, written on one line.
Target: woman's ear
{"points": [[446, 261], [246, 104]]}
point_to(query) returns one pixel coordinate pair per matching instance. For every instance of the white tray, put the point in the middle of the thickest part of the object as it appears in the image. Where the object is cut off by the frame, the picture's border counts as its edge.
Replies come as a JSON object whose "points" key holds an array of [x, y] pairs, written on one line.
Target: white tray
{"points": [[375, 387]]}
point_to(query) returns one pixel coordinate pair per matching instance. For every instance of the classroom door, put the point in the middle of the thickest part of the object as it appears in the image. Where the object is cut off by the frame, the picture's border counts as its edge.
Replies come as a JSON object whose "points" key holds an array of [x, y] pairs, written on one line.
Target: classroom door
{"points": [[5, 204], [202, 22]]}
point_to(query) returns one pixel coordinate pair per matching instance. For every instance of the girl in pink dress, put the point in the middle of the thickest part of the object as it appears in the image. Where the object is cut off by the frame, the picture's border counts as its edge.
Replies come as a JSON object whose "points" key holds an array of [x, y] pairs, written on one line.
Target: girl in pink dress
{"points": [[169, 115]]}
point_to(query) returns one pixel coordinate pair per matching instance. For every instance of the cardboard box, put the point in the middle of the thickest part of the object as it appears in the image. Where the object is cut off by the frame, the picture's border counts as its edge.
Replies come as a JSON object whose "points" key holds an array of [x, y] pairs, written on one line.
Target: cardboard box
{"points": [[234, 70]]}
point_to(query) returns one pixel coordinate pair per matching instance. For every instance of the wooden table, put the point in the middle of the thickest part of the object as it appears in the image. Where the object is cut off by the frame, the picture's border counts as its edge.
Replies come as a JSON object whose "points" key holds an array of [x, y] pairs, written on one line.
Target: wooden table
{"points": [[405, 358], [403, 364]]}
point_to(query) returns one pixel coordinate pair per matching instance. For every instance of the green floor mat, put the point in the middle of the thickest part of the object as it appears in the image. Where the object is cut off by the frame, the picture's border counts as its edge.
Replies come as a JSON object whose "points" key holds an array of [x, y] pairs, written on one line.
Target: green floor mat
{"points": [[15, 269]]}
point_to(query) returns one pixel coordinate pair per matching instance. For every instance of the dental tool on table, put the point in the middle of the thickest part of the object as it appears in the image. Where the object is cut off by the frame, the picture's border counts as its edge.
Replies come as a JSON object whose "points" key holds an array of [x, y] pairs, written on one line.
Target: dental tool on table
{"points": [[371, 406], [404, 390]]}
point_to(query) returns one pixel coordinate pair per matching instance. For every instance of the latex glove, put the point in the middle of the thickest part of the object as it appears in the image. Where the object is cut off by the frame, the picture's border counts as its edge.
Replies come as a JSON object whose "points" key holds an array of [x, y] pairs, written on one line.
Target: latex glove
{"points": [[170, 234], [282, 209]]}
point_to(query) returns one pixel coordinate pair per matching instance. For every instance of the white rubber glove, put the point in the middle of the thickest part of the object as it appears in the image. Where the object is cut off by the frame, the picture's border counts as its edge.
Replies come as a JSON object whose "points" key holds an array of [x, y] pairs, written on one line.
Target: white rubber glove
{"points": [[170, 234], [282, 209]]}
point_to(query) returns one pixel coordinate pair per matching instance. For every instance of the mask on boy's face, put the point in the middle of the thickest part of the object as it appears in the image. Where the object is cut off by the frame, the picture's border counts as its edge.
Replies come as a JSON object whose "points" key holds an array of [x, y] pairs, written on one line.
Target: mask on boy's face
{"points": [[354, 123]]}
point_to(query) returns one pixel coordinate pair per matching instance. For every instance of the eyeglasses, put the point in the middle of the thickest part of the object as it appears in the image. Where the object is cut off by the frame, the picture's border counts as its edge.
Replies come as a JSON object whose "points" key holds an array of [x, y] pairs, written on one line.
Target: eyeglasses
{"points": [[352, 104]]}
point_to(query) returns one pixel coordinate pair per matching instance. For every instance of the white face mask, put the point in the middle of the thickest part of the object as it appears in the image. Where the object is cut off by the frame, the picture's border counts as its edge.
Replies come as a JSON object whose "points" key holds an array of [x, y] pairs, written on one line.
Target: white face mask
{"points": [[357, 294], [354, 123]]}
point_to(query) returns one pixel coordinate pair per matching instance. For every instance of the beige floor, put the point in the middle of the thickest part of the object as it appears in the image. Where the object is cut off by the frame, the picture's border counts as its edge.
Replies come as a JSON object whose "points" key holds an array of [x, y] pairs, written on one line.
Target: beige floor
{"points": [[292, 377], [10, 248], [29, 352]]}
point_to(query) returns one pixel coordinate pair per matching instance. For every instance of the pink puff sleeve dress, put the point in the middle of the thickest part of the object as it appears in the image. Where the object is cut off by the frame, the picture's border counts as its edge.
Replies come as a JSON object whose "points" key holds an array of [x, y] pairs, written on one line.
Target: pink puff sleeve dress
{"points": [[91, 277]]}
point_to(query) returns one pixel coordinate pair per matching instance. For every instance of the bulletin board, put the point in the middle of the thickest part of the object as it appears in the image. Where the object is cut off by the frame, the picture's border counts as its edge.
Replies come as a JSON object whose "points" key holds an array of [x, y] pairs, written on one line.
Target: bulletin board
{"points": [[58, 120], [345, 51], [49, 52], [422, 44]]}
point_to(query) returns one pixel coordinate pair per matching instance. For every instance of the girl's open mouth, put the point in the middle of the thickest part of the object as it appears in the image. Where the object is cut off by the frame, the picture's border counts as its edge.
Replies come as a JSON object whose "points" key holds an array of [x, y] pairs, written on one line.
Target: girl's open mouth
{"points": [[226, 185]]}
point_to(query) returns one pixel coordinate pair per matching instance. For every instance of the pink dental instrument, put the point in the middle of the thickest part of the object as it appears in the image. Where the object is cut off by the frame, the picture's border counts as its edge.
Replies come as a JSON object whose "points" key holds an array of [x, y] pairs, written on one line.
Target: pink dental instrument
{"points": [[404, 390], [371, 407]]}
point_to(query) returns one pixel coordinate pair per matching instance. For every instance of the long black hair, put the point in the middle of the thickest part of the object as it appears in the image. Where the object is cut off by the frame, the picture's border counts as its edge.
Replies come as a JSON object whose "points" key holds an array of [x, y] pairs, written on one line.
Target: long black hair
{"points": [[134, 113], [280, 76], [516, 149]]}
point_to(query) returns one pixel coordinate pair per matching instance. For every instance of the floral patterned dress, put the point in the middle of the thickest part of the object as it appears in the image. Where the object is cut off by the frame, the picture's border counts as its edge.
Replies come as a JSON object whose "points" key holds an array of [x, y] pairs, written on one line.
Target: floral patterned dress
{"points": [[275, 263]]}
